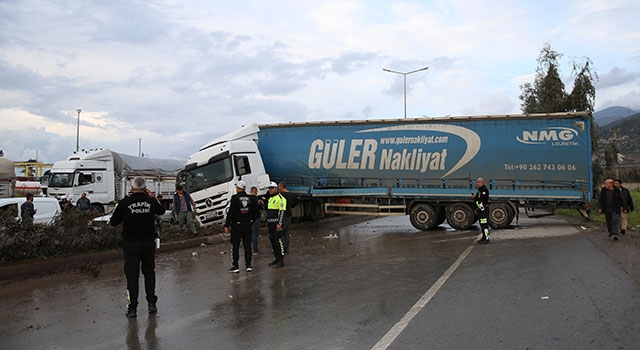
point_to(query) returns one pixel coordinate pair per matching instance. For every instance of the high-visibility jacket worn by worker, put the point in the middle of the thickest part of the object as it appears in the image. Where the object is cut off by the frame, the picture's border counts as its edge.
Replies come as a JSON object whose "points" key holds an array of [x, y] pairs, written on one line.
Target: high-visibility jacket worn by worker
{"points": [[276, 208]]}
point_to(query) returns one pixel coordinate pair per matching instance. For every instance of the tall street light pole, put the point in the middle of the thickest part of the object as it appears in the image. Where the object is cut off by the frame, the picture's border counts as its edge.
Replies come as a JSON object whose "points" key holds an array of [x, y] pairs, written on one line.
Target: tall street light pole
{"points": [[78, 132], [405, 83]]}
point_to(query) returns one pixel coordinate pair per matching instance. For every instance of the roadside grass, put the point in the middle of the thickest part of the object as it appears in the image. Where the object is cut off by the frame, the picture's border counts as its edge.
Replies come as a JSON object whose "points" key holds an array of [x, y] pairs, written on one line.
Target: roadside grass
{"points": [[633, 218]]}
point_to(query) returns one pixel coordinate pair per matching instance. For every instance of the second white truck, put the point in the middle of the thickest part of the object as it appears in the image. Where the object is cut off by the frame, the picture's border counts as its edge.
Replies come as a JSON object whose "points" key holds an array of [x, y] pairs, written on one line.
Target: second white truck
{"points": [[105, 176]]}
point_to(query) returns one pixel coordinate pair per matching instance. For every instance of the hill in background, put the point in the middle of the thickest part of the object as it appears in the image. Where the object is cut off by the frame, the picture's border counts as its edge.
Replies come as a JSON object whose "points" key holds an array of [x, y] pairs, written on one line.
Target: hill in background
{"points": [[612, 114]]}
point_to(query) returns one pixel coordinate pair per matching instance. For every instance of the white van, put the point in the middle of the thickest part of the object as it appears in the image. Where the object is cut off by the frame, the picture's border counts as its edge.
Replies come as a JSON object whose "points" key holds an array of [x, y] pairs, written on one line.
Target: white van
{"points": [[47, 208]]}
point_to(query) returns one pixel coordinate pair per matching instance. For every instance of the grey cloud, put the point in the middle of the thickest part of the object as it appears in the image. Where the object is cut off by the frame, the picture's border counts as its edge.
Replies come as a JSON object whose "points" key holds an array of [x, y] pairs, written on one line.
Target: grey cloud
{"points": [[123, 21], [351, 61], [617, 76]]}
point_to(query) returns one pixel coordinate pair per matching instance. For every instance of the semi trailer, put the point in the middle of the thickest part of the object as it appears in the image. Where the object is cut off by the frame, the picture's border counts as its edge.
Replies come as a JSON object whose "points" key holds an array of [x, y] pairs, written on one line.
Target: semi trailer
{"points": [[425, 168]]}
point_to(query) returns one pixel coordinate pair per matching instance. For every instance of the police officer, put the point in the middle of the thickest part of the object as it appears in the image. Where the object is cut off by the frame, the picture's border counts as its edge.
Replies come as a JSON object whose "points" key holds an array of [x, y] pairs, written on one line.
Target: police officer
{"points": [[292, 201], [138, 212], [481, 199], [276, 207], [243, 211]]}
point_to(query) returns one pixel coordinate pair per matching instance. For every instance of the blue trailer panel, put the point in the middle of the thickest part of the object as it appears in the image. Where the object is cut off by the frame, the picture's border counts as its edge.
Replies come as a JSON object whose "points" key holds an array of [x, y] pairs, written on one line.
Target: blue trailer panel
{"points": [[538, 157]]}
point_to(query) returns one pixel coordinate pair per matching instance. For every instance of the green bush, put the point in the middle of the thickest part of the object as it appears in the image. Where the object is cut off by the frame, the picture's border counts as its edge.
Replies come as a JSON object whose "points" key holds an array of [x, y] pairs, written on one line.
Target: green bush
{"points": [[69, 235]]}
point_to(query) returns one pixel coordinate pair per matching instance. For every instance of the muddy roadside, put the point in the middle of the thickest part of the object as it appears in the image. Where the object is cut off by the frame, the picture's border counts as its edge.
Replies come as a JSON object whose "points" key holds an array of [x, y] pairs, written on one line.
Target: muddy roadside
{"points": [[90, 263], [624, 252]]}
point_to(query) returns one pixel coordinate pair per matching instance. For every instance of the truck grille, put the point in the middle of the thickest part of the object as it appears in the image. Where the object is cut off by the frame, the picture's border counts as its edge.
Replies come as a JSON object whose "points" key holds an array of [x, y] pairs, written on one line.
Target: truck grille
{"points": [[211, 210]]}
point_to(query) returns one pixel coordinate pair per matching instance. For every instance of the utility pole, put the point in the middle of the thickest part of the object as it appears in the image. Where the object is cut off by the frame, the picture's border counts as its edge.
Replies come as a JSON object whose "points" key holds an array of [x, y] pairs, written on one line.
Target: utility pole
{"points": [[404, 75], [78, 131]]}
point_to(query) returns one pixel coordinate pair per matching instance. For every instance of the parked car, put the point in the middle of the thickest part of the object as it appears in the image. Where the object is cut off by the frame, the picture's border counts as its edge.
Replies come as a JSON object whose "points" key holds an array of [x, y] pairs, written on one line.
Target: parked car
{"points": [[47, 209], [100, 222]]}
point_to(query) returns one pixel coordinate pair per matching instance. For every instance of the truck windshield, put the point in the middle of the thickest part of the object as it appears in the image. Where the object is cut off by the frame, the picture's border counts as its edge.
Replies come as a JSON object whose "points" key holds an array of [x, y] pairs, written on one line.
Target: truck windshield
{"points": [[208, 175], [61, 180]]}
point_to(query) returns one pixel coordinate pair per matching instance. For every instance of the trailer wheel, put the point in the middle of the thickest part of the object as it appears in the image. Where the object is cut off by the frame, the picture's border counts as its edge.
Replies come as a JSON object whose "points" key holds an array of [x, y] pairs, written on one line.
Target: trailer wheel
{"points": [[500, 215], [423, 217], [460, 216]]}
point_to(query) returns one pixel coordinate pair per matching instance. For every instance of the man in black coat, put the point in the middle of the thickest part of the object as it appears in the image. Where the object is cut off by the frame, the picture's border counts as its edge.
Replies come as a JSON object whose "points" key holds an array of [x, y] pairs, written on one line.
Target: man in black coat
{"points": [[611, 203], [243, 212], [137, 212]]}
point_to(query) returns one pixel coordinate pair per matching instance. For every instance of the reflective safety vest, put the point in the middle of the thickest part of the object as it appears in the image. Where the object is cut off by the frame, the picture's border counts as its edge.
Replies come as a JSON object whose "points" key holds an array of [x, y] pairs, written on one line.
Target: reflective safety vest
{"points": [[275, 208]]}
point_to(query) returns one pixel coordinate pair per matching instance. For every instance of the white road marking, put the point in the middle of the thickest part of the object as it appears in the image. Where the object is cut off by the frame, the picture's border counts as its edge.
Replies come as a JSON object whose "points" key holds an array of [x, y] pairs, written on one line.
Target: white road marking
{"points": [[399, 327]]}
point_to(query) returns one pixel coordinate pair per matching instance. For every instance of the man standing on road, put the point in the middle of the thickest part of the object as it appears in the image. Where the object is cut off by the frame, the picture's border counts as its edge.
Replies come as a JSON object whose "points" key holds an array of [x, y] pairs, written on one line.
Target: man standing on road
{"points": [[27, 212], [138, 212], [243, 211], [275, 215], [292, 201], [183, 208], [84, 204], [611, 201], [626, 196], [481, 199]]}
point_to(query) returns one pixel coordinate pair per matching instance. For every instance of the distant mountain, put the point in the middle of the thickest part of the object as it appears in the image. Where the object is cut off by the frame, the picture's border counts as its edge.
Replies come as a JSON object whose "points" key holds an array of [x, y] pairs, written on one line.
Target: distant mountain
{"points": [[611, 114]]}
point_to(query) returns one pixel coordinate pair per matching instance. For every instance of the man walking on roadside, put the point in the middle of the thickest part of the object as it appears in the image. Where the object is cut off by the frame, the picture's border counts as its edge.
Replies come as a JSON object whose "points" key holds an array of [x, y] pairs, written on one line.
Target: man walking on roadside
{"points": [[611, 202], [626, 196], [137, 212], [243, 212]]}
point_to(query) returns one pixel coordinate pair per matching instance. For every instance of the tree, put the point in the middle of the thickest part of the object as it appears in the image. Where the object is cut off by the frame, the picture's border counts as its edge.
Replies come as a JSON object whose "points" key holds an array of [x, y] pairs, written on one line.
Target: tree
{"points": [[583, 95], [547, 95]]}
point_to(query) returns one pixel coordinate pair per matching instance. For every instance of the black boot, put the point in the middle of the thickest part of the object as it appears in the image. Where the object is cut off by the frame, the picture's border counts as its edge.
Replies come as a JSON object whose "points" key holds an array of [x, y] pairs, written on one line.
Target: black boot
{"points": [[131, 311]]}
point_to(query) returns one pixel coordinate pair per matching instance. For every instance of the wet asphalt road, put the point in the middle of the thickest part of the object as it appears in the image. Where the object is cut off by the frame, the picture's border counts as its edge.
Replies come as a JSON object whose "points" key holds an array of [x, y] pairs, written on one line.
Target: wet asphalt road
{"points": [[543, 285]]}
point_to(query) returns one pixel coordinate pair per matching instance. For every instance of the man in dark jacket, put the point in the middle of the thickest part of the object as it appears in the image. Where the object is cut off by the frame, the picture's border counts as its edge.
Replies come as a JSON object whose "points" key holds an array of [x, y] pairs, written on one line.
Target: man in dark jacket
{"points": [[28, 211], [481, 199], [183, 208], [292, 201], [243, 212], [138, 212], [628, 201], [611, 203]]}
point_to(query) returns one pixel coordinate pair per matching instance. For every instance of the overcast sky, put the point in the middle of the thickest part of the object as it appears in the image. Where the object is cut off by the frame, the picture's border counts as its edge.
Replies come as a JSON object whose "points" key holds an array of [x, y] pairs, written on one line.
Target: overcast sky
{"points": [[179, 73]]}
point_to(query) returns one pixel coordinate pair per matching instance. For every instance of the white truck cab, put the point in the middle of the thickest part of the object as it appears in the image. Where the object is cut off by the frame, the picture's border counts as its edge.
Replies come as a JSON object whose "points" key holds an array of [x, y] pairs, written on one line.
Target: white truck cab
{"points": [[210, 174]]}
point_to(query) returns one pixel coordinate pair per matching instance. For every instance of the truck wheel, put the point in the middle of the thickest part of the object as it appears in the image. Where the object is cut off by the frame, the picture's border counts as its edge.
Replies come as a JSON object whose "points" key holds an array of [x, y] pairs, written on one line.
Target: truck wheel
{"points": [[460, 216], [500, 215], [423, 217]]}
